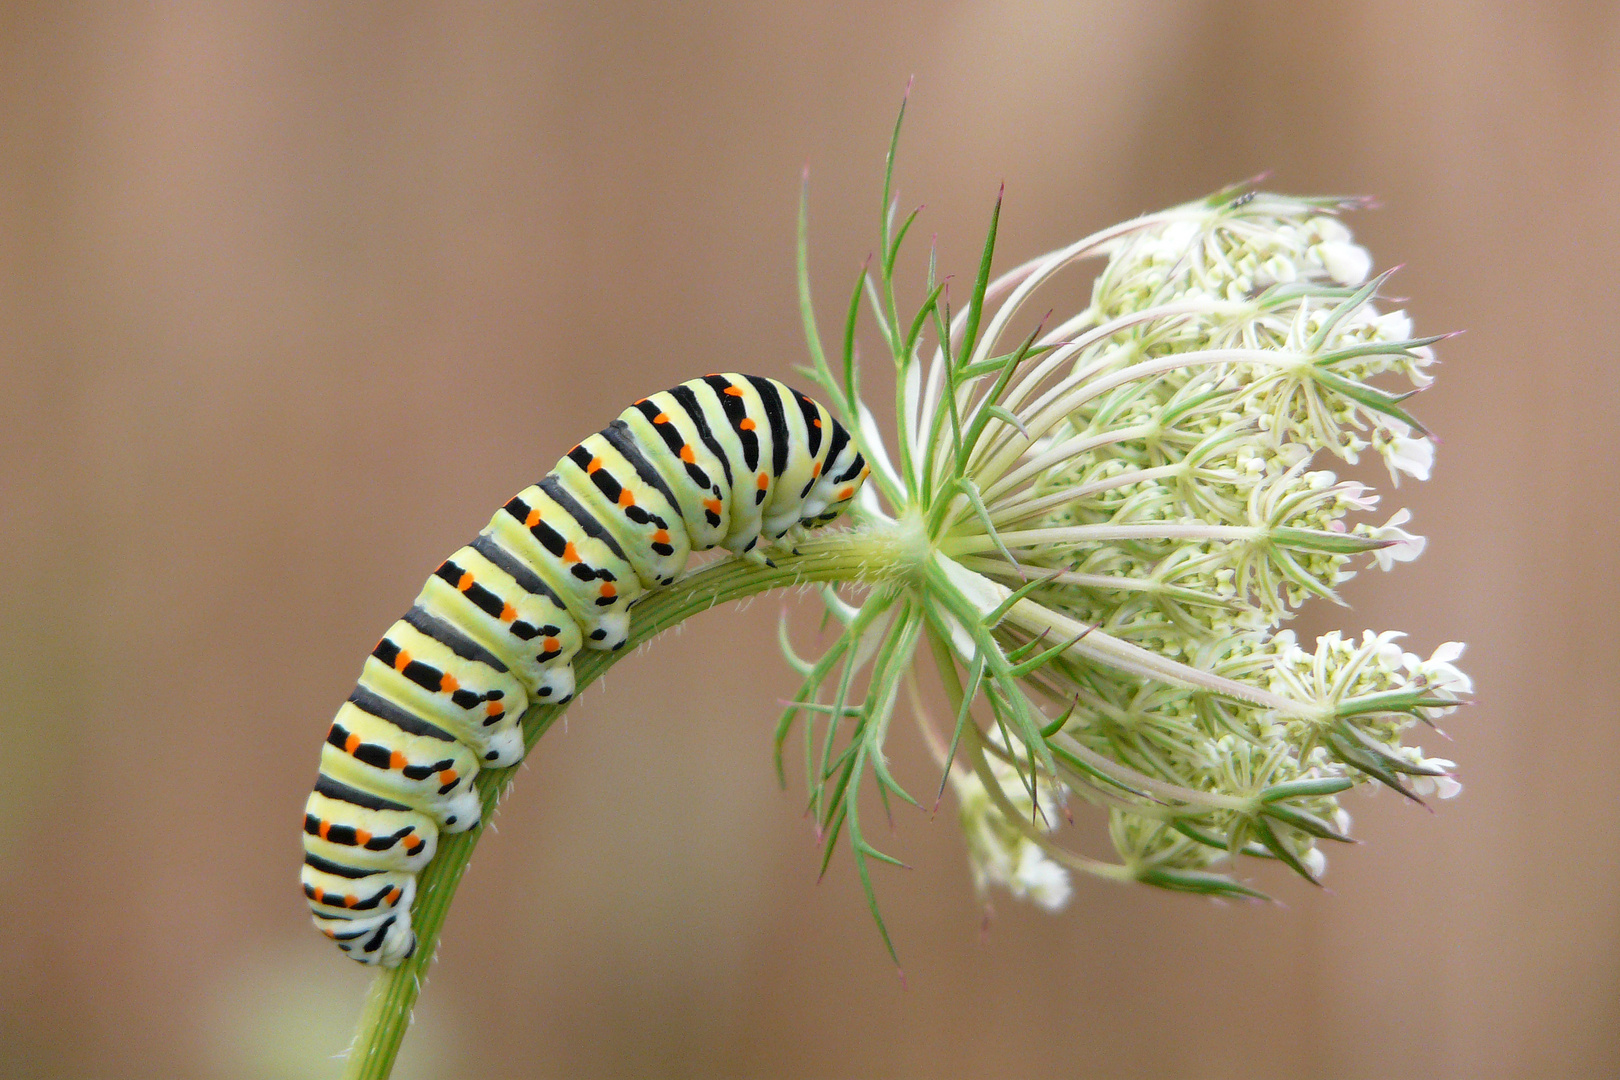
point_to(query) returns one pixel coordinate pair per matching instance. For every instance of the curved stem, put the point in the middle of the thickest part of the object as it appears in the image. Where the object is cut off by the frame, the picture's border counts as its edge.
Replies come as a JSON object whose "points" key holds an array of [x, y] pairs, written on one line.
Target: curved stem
{"points": [[393, 993]]}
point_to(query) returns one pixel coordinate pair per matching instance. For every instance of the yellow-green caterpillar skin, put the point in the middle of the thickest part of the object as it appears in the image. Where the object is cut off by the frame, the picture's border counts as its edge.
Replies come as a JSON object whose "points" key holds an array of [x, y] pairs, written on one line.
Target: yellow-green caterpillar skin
{"points": [[720, 461]]}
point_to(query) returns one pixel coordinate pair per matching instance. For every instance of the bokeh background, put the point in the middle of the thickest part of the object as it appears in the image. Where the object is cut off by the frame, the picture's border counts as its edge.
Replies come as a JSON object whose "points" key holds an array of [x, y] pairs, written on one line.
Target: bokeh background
{"points": [[293, 295]]}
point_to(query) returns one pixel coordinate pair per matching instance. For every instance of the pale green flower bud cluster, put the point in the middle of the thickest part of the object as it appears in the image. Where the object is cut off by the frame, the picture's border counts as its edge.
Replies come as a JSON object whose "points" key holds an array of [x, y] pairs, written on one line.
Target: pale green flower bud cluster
{"points": [[1283, 268], [1228, 441], [1367, 694]]}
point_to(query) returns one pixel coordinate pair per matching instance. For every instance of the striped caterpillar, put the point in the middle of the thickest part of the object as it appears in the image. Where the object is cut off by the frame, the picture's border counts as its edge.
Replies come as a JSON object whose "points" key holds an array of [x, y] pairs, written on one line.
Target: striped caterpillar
{"points": [[715, 462]]}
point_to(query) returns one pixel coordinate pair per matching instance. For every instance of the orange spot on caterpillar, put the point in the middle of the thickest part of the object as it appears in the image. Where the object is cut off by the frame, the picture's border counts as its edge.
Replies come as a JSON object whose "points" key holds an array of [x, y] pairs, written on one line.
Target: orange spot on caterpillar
{"points": [[350, 900], [533, 519], [396, 760], [551, 644], [626, 498], [845, 494], [319, 896], [508, 613], [494, 708], [661, 418], [402, 661], [448, 683], [323, 829], [414, 844], [351, 743], [816, 422], [687, 455], [329, 932], [733, 391], [569, 553], [362, 837], [746, 424], [608, 589], [466, 581], [712, 504], [596, 463], [448, 776], [816, 471], [661, 536], [764, 481], [394, 894]]}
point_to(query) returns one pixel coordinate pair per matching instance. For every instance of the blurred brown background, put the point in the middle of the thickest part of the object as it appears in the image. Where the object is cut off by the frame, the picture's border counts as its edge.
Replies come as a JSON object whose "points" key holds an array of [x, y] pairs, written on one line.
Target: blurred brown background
{"points": [[292, 296]]}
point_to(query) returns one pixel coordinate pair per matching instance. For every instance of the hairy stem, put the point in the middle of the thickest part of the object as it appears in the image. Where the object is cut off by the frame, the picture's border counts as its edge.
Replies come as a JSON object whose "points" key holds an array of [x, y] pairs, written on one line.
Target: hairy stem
{"points": [[393, 993]]}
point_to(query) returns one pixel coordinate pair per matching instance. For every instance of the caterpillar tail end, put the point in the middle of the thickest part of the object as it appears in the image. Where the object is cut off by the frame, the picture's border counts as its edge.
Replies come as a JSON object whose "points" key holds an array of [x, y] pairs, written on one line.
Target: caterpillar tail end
{"points": [[398, 943], [378, 934], [397, 946]]}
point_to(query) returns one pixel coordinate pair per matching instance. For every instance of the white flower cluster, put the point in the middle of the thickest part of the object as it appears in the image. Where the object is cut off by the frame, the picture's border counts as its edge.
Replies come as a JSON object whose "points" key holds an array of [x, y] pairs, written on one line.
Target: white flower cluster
{"points": [[1284, 269], [1365, 695], [1001, 854], [1098, 533], [1175, 508]]}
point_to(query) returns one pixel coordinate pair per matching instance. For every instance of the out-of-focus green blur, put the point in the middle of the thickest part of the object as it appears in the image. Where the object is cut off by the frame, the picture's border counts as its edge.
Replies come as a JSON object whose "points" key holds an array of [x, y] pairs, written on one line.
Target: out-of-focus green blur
{"points": [[293, 296]]}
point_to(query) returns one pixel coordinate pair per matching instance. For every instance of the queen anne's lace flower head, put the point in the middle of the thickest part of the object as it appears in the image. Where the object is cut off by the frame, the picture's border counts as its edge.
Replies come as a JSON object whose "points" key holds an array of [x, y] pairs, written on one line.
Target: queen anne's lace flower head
{"points": [[1098, 526]]}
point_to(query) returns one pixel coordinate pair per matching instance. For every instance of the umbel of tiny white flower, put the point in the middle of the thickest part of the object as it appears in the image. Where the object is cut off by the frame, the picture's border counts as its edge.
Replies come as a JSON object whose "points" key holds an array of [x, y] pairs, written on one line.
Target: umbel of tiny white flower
{"points": [[999, 852], [1095, 529]]}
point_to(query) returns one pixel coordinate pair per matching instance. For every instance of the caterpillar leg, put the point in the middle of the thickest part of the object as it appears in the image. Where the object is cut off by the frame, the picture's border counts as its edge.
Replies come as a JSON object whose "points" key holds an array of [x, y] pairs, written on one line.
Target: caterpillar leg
{"points": [[755, 553]]}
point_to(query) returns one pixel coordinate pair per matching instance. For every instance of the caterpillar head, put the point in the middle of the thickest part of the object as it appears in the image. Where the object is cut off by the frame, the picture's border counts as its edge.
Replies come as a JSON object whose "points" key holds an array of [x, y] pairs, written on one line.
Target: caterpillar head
{"points": [[837, 487]]}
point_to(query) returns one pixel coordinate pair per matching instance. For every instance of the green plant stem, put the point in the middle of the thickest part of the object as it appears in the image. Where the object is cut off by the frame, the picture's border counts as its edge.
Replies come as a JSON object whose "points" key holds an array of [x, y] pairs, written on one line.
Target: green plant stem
{"points": [[393, 993]]}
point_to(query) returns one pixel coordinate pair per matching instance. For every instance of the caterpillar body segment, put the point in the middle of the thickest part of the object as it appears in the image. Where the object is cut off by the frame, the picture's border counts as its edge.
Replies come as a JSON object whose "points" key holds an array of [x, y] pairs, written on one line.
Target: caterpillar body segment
{"points": [[721, 461], [368, 915], [692, 461], [617, 482], [386, 837], [586, 566], [467, 700], [404, 759], [837, 484], [509, 610]]}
